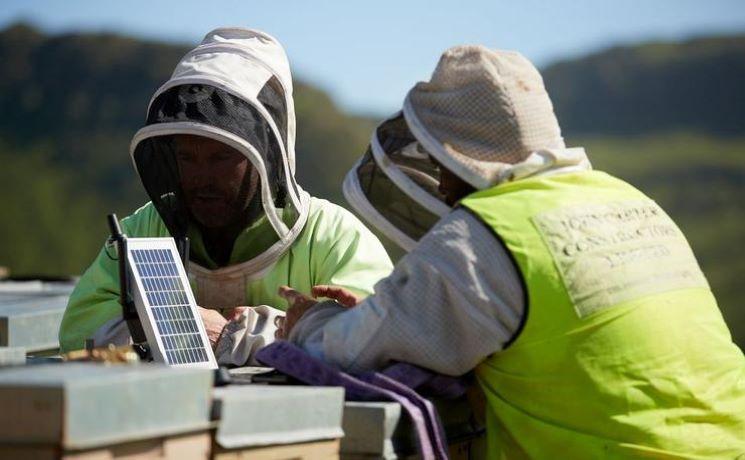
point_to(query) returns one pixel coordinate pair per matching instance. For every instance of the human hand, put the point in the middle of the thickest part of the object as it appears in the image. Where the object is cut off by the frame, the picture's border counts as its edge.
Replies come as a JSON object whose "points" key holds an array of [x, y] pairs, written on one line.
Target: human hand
{"points": [[234, 313], [342, 295], [214, 321], [299, 304]]}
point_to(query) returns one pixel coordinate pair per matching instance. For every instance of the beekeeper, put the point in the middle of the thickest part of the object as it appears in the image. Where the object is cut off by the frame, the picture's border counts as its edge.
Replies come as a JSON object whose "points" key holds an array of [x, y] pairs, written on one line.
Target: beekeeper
{"points": [[217, 159], [575, 298]]}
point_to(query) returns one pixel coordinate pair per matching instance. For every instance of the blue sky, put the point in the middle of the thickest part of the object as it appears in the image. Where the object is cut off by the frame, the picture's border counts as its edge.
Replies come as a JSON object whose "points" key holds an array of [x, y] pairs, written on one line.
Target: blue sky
{"points": [[368, 54]]}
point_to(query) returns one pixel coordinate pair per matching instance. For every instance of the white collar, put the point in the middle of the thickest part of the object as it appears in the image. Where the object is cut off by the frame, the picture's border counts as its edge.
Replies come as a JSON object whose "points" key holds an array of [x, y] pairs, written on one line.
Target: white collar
{"points": [[547, 162]]}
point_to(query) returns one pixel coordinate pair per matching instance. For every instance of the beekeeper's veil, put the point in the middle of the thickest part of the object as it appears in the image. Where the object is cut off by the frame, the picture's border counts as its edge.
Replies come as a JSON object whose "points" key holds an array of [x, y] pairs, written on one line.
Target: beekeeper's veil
{"points": [[235, 88], [484, 115], [394, 185]]}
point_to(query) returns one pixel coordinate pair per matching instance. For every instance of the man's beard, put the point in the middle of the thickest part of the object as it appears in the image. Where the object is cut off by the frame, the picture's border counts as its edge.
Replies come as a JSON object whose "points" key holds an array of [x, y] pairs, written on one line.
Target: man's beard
{"points": [[210, 208]]}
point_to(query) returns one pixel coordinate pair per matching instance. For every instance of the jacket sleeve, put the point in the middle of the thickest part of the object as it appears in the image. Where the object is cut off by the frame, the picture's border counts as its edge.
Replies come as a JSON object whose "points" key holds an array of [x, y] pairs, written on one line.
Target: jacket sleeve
{"points": [[94, 303], [451, 302]]}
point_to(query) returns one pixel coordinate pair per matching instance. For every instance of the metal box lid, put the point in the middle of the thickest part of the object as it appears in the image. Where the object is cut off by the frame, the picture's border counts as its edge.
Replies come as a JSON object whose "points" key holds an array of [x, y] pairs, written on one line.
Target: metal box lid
{"points": [[369, 427], [82, 405], [259, 415], [383, 430], [12, 356], [31, 313]]}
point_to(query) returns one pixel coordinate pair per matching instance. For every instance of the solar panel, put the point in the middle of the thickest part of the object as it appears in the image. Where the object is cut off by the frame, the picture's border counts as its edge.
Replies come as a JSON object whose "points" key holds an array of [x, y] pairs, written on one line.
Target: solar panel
{"points": [[166, 305]]}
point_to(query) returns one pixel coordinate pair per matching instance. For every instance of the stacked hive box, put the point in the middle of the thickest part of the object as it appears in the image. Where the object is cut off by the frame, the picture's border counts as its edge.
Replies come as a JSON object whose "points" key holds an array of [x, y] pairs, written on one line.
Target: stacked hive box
{"points": [[30, 314], [277, 422], [86, 411]]}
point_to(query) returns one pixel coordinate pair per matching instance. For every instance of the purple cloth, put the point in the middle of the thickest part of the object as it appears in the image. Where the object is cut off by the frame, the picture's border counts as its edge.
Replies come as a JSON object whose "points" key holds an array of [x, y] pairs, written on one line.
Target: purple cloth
{"points": [[397, 383], [432, 424], [425, 381]]}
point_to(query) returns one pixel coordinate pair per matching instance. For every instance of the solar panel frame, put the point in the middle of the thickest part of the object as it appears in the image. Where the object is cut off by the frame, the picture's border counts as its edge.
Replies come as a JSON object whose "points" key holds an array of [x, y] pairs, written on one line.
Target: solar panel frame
{"points": [[166, 305]]}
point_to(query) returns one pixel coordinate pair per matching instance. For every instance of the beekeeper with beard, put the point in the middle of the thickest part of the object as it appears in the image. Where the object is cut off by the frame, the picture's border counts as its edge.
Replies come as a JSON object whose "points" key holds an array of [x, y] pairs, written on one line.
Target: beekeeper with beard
{"points": [[217, 159]]}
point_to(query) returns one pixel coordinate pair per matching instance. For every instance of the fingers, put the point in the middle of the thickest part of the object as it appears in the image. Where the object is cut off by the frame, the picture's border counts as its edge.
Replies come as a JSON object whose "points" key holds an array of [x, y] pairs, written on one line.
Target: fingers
{"points": [[299, 304], [213, 323], [208, 314], [235, 313], [279, 322], [340, 294], [289, 294], [324, 290]]}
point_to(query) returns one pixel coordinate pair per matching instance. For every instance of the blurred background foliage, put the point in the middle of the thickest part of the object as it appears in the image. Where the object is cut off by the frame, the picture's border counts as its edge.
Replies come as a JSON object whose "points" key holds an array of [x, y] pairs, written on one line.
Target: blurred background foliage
{"points": [[667, 117]]}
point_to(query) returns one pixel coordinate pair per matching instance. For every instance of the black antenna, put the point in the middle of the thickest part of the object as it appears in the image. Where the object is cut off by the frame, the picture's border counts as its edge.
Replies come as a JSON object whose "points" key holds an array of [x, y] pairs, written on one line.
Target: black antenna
{"points": [[182, 245], [129, 311]]}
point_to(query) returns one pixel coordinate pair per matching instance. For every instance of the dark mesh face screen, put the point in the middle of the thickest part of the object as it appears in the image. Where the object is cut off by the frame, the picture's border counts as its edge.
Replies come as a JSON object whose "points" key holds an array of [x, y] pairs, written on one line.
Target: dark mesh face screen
{"points": [[155, 157], [218, 108], [158, 169], [395, 135], [394, 205], [394, 138], [272, 97], [403, 156]]}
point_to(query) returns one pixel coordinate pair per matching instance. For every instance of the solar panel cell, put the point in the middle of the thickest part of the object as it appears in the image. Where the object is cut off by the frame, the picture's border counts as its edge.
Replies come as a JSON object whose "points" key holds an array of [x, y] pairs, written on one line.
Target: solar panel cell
{"points": [[165, 291]]}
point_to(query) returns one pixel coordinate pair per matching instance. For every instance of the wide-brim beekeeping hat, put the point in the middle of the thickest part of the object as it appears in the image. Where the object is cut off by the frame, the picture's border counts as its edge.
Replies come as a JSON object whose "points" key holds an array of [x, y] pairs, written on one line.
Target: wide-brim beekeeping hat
{"points": [[482, 112], [484, 115]]}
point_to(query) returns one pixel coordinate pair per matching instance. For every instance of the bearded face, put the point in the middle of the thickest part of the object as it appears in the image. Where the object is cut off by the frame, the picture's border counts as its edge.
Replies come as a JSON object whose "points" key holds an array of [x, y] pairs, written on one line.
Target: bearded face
{"points": [[218, 182]]}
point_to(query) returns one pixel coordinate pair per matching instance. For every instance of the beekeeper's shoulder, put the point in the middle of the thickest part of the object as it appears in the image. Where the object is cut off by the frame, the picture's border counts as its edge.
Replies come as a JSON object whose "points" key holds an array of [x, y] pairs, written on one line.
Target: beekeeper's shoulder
{"points": [[329, 220], [144, 222]]}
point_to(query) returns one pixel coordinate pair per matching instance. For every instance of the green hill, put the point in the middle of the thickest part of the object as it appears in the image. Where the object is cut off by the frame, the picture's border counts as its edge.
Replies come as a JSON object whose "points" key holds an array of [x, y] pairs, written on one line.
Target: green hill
{"points": [[696, 85], [669, 118], [72, 103]]}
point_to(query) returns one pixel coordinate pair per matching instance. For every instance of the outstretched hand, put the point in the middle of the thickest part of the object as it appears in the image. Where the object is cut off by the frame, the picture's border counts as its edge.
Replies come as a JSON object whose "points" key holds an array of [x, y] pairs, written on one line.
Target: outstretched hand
{"points": [[301, 303], [342, 295]]}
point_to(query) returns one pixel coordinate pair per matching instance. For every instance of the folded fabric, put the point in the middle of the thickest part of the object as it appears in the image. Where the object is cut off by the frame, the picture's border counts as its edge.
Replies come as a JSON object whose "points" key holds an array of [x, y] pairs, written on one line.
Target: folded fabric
{"points": [[397, 383], [426, 382], [244, 336]]}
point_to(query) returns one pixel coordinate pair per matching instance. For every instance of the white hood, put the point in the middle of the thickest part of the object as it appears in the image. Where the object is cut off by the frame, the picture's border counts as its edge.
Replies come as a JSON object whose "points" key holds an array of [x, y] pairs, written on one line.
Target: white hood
{"points": [[236, 88], [241, 61]]}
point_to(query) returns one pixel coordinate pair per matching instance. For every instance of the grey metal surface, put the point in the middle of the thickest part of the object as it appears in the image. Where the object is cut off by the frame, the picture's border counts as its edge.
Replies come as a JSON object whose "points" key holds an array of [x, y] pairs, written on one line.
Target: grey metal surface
{"points": [[82, 405], [368, 429], [31, 312], [12, 356], [382, 430], [259, 415]]}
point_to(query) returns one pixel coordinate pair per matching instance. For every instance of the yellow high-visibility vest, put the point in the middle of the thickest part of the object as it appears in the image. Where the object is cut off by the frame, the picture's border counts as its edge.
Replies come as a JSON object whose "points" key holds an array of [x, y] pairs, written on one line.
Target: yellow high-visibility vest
{"points": [[624, 352]]}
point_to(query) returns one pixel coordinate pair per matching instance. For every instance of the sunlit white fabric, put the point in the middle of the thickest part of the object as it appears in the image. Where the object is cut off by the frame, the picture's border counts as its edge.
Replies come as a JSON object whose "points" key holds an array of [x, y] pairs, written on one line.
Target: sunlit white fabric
{"points": [[449, 303]]}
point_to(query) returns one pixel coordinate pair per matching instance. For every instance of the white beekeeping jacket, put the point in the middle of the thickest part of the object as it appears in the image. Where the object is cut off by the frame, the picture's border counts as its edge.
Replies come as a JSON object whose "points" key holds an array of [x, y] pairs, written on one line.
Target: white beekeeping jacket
{"points": [[449, 303], [457, 296]]}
